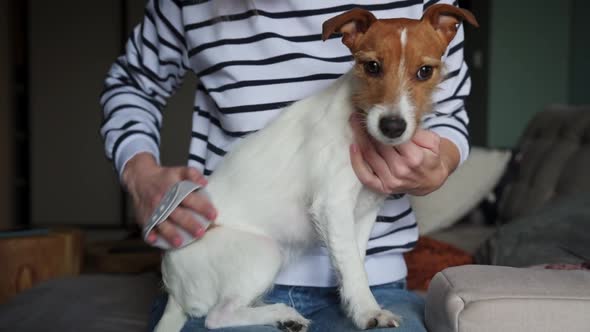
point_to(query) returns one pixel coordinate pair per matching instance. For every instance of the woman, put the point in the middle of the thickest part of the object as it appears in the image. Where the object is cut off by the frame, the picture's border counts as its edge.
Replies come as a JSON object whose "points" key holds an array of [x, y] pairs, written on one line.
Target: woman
{"points": [[252, 59]]}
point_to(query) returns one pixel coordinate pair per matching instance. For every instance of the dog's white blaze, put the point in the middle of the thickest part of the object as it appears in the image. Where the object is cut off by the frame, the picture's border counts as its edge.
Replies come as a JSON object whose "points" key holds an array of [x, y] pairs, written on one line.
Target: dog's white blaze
{"points": [[403, 36], [407, 112], [403, 108], [402, 61]]}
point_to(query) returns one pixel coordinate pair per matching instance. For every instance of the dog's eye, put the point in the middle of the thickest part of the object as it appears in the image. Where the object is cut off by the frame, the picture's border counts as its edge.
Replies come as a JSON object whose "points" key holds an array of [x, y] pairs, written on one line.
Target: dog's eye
{"points": [[424, 73], [372, 68]]}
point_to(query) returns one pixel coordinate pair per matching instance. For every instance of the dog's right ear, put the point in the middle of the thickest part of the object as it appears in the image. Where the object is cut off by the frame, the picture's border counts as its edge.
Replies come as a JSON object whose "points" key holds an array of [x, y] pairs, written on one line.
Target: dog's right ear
{"points": [[350, 24]]}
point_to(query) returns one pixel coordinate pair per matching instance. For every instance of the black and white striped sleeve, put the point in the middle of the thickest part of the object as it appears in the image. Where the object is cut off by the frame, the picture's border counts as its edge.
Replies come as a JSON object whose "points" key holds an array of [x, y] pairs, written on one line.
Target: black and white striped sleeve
{"points": [[449, 118], [140, 81]]}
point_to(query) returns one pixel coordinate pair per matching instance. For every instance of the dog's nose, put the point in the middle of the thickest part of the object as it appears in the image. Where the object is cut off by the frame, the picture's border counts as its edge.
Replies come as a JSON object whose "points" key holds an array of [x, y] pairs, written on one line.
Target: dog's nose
{"points": [[392, 126]]}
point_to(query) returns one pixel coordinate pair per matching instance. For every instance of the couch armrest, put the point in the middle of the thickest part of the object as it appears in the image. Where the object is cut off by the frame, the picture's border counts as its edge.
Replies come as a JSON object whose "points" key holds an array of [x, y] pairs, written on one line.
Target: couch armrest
{"points": [[494, 298]]}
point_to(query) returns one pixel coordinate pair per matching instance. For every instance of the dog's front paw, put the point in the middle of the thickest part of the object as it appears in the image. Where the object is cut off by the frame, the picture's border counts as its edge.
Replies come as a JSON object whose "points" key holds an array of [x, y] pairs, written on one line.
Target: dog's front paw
{"points": [[377, 318]]}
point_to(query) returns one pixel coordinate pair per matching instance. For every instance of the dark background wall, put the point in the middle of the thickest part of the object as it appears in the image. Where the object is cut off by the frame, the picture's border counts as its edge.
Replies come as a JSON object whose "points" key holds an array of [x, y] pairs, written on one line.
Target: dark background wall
{"points": [[580, 53], [526, 54], [530, 48], [54, 57], [6, 133]]}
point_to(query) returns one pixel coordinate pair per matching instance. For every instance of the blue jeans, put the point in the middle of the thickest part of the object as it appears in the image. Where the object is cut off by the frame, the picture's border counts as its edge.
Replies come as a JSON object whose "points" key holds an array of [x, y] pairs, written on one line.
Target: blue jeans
{"points": [[322, 306]]}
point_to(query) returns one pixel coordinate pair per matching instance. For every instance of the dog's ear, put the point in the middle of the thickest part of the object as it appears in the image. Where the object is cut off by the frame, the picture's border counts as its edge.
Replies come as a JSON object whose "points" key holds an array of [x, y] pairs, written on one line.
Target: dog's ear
{"points": [[350, 24], [445, 19]]}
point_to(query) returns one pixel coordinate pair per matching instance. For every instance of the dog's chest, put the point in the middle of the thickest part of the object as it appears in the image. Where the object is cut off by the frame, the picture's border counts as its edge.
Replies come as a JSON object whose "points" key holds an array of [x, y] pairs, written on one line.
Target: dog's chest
{"points": [[270, 180]]}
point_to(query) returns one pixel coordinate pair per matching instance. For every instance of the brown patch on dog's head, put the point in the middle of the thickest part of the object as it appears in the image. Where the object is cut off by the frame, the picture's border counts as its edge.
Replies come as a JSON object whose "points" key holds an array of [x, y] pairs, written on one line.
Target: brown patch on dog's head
{"points": [[397, 65]]}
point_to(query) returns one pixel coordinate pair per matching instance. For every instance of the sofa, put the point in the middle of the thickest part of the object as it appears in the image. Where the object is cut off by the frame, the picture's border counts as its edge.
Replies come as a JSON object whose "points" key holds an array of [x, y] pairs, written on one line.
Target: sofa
{"points": [[533, 249], [526, 231]]}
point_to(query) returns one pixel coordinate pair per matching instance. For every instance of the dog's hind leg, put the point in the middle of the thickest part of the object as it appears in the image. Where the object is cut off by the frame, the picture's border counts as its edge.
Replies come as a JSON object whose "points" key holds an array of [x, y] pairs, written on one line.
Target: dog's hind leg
{"points": [[229, 313], [173, 318], [247, 272]]}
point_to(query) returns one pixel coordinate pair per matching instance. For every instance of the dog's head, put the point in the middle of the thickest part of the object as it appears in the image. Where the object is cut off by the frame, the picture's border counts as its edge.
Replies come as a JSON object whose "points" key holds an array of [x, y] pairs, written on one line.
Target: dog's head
{"points": [[397, 65]]}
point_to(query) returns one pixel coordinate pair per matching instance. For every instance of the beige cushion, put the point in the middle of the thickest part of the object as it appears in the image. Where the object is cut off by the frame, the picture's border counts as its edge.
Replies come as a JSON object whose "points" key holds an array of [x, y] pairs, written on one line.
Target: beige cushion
{"points": [[462, 191], [495, 298]]}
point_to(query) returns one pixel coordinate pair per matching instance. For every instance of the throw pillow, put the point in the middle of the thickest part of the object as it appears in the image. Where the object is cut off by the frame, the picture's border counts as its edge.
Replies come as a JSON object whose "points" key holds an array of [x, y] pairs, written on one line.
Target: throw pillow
{"points": [[429, 257], [463, 190]]}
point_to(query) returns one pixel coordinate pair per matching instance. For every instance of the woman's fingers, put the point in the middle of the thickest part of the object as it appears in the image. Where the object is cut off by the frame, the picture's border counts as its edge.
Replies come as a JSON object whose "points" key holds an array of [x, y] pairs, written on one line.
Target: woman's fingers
{"points": [[184, 218], [427, 139], [200, 204], [168, 231]]}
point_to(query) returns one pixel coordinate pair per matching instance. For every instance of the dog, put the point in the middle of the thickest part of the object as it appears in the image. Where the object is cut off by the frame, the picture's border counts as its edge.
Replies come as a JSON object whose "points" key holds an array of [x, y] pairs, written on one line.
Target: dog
{"points": [[291, 185]]}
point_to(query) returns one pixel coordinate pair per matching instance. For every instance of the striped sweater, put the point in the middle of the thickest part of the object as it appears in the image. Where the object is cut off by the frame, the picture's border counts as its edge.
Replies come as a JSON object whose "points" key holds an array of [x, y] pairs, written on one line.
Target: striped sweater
{"points": [[251, 63]]}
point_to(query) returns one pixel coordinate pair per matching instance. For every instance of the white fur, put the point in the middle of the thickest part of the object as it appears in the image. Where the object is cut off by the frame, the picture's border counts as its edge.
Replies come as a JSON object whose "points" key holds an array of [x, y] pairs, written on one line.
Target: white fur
{"points": [[374, 115], [408, 113], [403, 38], [281, 190], [401, 71]]}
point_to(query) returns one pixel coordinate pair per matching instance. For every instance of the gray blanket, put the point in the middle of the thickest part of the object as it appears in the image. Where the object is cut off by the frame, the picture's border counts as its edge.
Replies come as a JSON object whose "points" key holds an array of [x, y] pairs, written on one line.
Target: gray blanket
{"points": [[105, 303], [557, 233]]}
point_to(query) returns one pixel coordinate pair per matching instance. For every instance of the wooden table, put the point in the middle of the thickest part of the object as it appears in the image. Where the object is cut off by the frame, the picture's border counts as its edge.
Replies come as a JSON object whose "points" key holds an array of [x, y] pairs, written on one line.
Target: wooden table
{"points": [[121, 256], [27, 259]]}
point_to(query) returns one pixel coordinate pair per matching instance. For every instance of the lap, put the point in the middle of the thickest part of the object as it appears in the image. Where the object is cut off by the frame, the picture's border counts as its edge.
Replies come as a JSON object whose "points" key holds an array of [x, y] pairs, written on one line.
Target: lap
{"points": [[326, 314], [198, 325], [407, 305]]}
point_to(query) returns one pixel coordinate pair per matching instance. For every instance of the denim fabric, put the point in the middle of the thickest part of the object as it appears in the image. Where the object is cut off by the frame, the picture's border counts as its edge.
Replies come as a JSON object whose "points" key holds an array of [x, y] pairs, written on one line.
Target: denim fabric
{"points": [[322, 306]]}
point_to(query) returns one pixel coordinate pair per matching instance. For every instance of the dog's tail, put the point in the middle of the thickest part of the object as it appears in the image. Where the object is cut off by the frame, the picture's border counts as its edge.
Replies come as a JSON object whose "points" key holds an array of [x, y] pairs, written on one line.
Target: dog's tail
{"points": [[173, 319]]}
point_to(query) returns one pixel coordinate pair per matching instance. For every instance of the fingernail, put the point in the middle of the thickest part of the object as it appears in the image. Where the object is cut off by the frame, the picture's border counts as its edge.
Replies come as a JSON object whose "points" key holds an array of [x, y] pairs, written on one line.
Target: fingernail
{"points": [[151, 238], [177, 241], [200, 232], [354, 148]]}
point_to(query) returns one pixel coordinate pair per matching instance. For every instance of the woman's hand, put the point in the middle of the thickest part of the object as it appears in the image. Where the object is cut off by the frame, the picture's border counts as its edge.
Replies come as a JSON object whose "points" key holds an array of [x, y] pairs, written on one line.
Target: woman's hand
{"points": [[147, 182], [417, 167]]}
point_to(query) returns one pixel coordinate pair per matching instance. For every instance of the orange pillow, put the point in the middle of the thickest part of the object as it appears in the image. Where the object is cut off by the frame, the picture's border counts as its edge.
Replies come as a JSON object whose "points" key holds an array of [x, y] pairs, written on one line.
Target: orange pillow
{"points": [[430, 257]]}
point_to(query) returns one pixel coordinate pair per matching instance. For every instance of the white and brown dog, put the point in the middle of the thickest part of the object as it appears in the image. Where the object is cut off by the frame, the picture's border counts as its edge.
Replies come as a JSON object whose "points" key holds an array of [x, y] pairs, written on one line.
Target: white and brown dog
{"points": [[291, 185]]}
